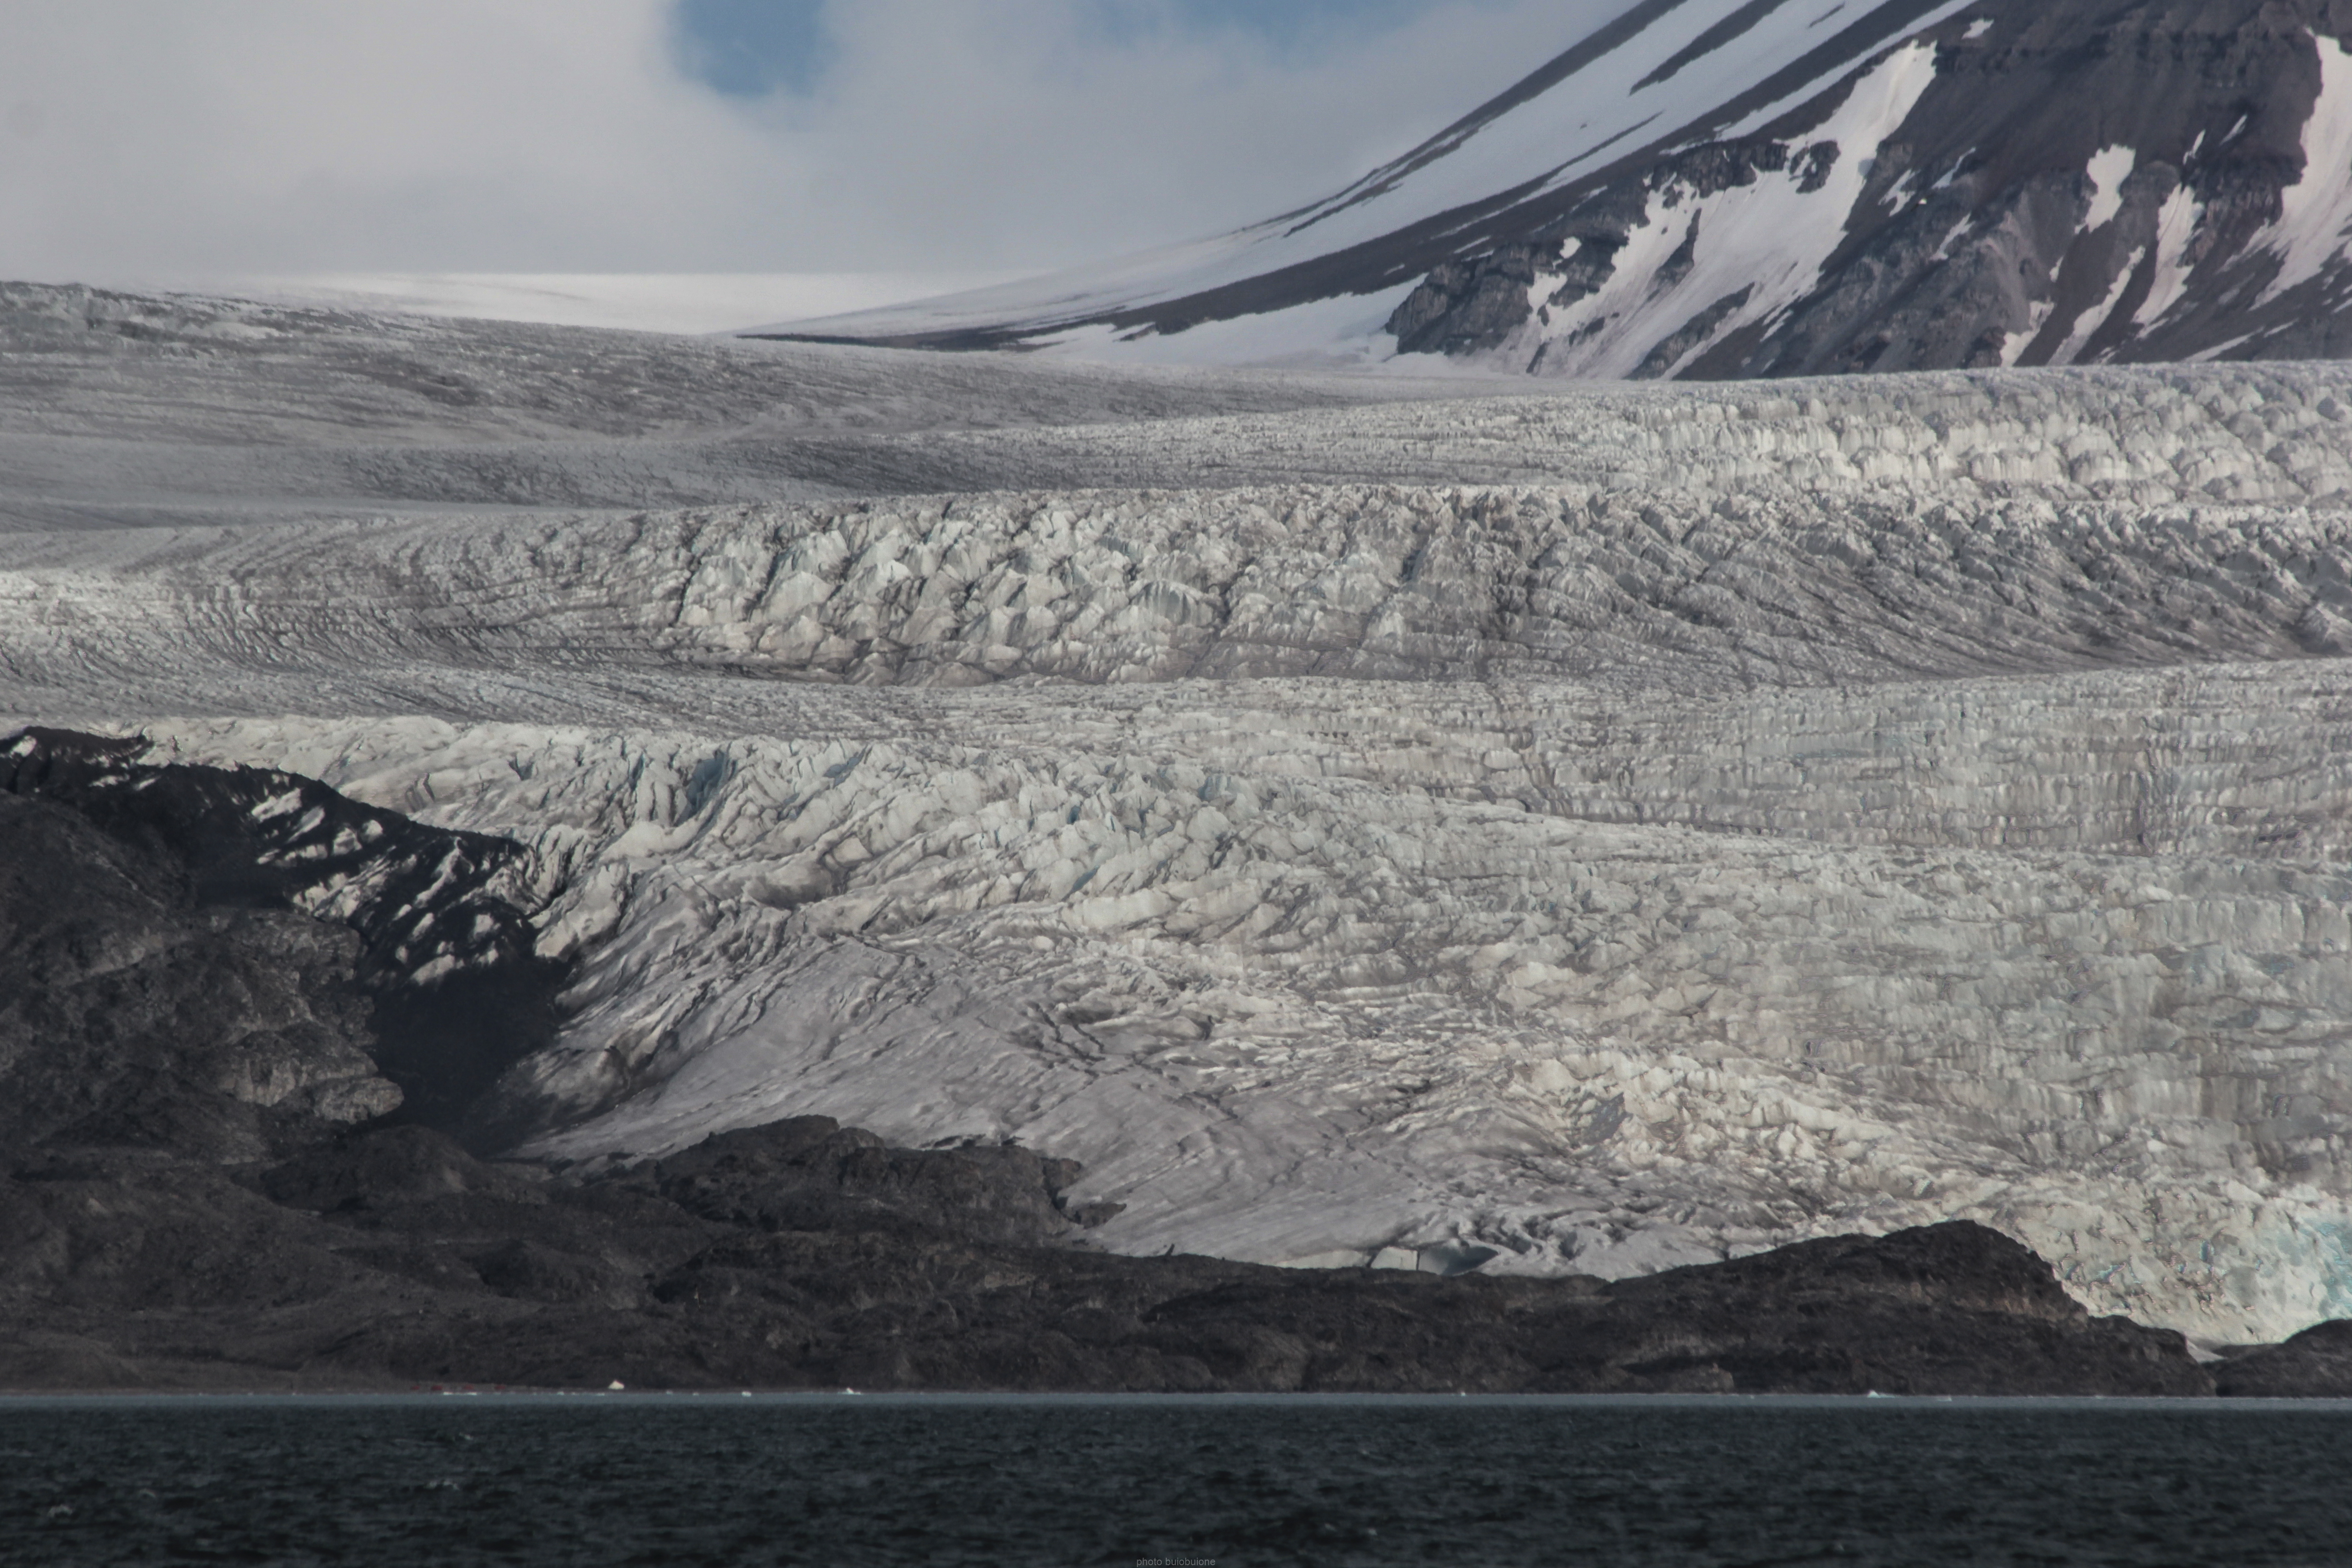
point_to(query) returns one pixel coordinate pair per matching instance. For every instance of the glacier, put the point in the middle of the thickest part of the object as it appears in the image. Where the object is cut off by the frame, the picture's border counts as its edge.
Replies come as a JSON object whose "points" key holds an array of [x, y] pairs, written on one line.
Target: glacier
{"points": [[1451, 823]]}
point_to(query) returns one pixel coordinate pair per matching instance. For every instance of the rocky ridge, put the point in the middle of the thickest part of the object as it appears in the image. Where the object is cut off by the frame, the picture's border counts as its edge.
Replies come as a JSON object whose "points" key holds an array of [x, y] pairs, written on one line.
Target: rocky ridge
{"points": [[2048, 184], [391, 1257], [249, 870], [1729, 189]]}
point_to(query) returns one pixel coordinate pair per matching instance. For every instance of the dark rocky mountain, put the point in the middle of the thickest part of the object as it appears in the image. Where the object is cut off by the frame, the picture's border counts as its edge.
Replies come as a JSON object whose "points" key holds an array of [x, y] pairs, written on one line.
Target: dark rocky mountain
{"points": [[127, 1012], [232, 1019], [392, 1256], [2074, 183], [250, 942], [1737, 188], [2313, 1364]]}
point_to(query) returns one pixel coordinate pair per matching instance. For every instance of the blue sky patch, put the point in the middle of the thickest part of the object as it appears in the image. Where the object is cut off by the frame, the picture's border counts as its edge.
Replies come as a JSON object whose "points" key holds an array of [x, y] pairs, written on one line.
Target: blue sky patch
{"points": [[750, 48]]}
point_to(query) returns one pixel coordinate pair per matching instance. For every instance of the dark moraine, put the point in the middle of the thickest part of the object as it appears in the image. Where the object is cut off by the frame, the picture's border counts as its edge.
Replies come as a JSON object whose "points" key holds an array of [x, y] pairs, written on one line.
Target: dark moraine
{"points": [[235, 1159]]}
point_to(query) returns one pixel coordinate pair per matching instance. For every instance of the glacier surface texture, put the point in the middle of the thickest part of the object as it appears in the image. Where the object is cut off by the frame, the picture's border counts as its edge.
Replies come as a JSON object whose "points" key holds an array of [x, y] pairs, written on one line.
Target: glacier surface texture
{"points": [[1453, 824]]}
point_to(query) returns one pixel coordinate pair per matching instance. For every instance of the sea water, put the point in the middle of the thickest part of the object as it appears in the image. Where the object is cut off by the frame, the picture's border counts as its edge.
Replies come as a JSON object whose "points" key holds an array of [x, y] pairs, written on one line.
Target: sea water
{"points": [[1234, 1481]]}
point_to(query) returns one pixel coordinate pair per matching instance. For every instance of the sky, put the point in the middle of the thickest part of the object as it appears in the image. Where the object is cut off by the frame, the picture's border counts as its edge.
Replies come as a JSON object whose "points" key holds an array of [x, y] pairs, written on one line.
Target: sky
{"points": [[163, 139]]}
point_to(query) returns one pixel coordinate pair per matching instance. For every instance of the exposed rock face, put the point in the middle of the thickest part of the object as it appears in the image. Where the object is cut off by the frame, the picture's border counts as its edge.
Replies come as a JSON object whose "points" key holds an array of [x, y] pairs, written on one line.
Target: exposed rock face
{"points": [[1951, 1309], [248, 934], [809, 1173], [2314, 1365], [129, 1012], [2017, 184]]}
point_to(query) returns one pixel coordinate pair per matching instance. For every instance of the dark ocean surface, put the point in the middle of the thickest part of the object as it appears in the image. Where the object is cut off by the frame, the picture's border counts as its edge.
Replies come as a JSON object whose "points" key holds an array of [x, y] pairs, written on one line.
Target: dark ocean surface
{"points": [[1238, 1482]]}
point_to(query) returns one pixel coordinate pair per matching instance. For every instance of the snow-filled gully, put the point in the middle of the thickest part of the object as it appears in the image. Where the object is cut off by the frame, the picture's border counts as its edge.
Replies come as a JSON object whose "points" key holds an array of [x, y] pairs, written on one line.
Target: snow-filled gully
{"points": [[1768, 239]]}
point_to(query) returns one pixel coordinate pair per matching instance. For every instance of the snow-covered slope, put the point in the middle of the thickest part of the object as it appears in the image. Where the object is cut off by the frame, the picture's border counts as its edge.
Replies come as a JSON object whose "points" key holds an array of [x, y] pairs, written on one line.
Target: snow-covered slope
{"points": [[638, 302], [1598, 827], [1723, 188]]}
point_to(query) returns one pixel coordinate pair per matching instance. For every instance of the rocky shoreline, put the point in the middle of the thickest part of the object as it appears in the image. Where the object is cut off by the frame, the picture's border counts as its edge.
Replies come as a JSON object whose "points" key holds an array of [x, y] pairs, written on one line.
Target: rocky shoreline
{"points": [[802, 1255], [235, 1160]]}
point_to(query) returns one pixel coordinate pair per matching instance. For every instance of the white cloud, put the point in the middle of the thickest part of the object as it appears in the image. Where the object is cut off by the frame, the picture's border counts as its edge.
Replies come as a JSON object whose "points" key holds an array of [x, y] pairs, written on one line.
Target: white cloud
{"points": [[160, 138], [292, 135]]}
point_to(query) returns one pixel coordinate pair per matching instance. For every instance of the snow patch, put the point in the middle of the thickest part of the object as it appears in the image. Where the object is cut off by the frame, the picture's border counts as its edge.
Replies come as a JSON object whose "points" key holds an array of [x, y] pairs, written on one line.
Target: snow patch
{"points": [[2206, 356], [1976, 29], [2037, 316], [2108, 169], [2176, 226], [2316, 211], [1770, 237], [1944, 246], [284, 803]]}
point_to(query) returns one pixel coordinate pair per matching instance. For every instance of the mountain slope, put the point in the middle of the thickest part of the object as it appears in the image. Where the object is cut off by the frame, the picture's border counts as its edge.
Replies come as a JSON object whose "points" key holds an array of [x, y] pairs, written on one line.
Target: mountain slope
{"points": [[1721, 188]]}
